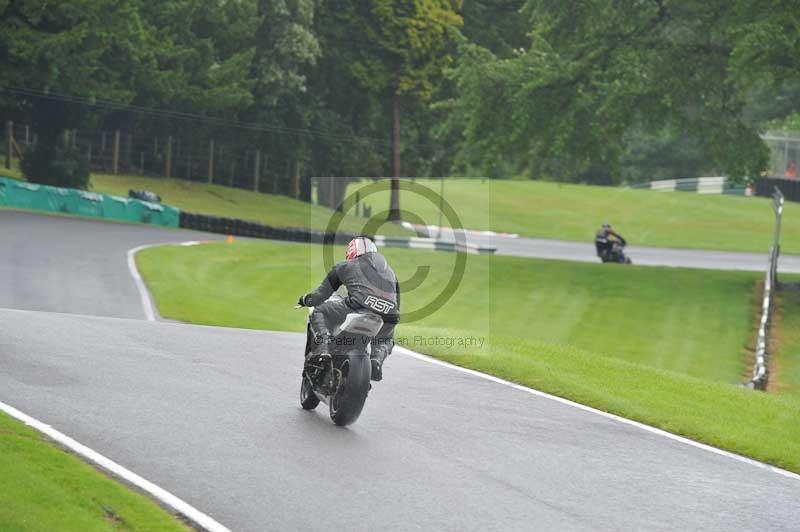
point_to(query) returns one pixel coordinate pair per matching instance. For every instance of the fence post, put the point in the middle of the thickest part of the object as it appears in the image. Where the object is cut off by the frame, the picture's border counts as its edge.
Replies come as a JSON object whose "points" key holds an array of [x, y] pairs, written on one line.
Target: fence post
{"points": [[9, 142], [256, 170], [126, 160], [189, 163], [141, 162], [210, 161], [27, 135], [168, 163], [89, 155], [103, 142], [115, 156], [296, 178]]}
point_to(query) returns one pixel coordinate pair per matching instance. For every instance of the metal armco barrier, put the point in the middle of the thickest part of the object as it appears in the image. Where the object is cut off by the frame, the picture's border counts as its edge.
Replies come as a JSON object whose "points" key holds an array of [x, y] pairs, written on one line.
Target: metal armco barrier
{"points": [[700, 185], [760, 371], [24, 195]]}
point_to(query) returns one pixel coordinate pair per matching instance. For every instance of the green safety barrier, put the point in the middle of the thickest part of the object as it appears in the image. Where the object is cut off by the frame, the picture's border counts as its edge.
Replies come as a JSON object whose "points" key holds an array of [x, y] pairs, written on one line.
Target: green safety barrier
{"points": [[24, 195]]}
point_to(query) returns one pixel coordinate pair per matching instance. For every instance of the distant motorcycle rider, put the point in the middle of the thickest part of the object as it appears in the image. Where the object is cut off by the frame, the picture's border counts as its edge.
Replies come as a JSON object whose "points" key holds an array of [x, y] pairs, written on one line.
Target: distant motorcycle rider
{"points": [[372, 286], [604, 241]]}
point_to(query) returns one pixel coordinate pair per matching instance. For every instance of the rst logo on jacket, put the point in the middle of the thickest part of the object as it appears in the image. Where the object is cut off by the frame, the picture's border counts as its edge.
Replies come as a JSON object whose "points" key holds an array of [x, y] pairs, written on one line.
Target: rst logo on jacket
{"points": [[378, 305]]}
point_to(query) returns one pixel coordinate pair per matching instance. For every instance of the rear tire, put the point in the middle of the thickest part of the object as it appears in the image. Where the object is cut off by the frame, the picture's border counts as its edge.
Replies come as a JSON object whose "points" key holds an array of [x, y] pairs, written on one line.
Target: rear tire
{"points": [[347, 404], [308, 400]]}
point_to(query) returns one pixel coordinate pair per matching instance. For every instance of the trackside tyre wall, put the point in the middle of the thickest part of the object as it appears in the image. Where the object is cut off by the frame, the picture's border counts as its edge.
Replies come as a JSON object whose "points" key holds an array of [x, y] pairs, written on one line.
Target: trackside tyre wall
{"points": [[789, 187], [237, 227]]}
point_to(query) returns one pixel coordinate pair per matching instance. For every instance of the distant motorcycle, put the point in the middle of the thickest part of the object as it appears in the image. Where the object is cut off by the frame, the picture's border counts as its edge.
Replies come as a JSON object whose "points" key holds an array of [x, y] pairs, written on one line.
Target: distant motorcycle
{"points": [[340, 380], [616, 254]]}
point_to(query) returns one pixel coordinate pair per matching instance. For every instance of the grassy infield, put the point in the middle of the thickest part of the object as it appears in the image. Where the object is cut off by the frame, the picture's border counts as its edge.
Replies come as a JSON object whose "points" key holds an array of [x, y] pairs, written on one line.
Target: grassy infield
{"points": [[43, 488], [658, 345], [573, 212], [665, 346]]}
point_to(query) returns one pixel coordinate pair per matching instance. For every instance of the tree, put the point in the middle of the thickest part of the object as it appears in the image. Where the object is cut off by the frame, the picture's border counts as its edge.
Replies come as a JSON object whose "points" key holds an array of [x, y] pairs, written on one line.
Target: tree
{"points": [[87, 48], [286, 48], [398, 55], [593, 71]]}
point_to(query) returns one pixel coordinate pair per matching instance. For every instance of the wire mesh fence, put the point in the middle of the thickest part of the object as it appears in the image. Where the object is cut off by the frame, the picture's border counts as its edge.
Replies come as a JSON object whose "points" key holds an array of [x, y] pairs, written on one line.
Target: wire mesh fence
{"points": [[784, 150], [126, 151]]}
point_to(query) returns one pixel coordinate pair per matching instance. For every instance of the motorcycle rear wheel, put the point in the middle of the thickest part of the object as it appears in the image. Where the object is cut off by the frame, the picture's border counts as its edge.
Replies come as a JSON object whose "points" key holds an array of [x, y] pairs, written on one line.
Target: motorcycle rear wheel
{"points": [[308, 400], [348, 402]]}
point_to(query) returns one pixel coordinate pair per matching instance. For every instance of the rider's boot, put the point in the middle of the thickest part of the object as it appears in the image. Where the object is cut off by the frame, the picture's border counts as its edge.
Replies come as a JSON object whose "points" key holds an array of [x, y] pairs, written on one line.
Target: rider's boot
{"points": [[376, 363], [322, 348]]}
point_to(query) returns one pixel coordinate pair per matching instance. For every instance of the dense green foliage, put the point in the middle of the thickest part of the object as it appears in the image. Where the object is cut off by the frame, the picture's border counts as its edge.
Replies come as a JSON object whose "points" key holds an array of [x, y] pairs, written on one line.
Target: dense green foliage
{"points": [[596, 78], [616, 338], [55, 164], [586, 91]]}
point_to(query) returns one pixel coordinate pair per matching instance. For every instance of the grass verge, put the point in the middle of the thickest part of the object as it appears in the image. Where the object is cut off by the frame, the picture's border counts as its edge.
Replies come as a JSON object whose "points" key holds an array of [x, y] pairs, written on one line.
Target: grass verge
{"points": [[43, 488], [574, 212], [658, 345], [218, 200], [690, 321], [786, 336]]}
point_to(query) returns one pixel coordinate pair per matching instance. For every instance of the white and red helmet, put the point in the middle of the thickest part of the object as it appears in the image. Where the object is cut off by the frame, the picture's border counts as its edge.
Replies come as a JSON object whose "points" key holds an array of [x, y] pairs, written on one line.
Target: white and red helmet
{"points": [[359, 246]]}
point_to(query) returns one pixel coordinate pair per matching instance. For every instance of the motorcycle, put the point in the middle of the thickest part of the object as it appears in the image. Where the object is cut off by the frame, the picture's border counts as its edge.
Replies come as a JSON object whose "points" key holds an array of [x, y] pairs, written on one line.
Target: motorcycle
{"points": [[616, 254], [342, 379]]}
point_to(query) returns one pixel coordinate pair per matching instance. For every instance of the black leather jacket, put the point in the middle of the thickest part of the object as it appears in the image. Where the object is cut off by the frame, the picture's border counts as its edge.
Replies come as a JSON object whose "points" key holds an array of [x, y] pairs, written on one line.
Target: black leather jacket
{"points": [[371, 284]]}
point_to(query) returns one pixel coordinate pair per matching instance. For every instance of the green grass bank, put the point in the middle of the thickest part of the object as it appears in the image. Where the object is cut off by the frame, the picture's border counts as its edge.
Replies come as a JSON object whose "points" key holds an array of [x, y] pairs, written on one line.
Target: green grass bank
{"points": [[573, 212], [663, 346], [43, 488]]}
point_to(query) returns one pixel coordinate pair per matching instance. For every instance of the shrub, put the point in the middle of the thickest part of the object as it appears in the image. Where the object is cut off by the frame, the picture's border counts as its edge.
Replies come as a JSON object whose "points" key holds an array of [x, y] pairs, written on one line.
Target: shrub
{"points": [[54, 164]]}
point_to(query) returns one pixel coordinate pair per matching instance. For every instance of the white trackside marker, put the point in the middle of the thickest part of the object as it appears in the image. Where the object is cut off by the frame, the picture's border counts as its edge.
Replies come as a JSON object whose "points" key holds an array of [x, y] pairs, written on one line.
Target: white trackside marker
{"points": [[168, 499], [144, 294], [573, 404]]}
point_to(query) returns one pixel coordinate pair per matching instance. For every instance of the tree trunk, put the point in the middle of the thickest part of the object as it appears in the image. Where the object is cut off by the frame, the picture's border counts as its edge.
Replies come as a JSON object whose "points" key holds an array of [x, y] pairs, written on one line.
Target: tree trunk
{"points": [[394, 202]]}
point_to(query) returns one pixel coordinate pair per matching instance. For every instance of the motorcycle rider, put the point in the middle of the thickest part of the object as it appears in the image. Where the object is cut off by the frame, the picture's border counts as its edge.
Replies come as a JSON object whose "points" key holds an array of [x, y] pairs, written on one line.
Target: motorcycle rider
{"points": [[372, 286], [604, 241]]}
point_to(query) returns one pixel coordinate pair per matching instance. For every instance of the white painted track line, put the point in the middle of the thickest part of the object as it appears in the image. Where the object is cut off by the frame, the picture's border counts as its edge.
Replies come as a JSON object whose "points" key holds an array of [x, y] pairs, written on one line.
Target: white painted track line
{"points": [[163, 496], [585, 408], [144, 294]]}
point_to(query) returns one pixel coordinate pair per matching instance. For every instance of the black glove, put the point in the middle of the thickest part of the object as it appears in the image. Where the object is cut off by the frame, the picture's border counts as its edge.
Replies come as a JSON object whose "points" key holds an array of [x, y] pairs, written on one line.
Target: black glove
{"points": [[302, 301]]}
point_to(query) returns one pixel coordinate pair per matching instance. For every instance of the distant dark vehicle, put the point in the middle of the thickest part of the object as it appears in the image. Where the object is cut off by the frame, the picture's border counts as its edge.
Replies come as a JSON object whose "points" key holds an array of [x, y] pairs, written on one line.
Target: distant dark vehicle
{"points": [[144, 195], [615, 254], [341, 378]]}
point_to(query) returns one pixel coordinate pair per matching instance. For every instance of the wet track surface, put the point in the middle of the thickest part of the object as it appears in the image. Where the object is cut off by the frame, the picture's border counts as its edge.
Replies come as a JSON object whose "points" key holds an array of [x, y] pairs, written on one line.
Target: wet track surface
{"points": [[212, 415], [645, 256]]}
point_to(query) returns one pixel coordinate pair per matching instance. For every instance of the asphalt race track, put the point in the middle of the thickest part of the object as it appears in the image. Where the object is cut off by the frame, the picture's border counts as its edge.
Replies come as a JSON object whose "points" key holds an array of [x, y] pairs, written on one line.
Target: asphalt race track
{"points": [[645, 256], [212, 415], [66, 264]]}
